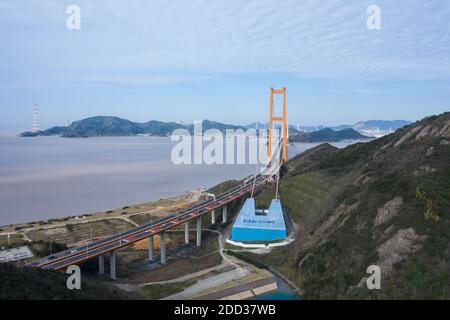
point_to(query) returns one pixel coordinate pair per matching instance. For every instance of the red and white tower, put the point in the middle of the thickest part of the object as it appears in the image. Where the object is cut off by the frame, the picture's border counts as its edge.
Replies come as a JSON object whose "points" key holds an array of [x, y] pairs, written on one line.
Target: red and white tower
{"points": [[35, 126]]}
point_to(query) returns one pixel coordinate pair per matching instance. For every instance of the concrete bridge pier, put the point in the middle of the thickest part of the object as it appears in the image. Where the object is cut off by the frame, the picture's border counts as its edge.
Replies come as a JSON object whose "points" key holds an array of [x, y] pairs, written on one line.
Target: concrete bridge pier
{"points": [[199, 231], [101, 264], [162, 247], [213, 217], [150, 248], [186, 232], [224, 213], [112, 265]]}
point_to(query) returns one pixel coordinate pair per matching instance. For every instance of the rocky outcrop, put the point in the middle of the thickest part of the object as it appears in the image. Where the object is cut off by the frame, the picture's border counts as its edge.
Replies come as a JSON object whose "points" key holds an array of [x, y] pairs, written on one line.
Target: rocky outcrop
{"points": [[330, 225], [408, 135], [445, 131], [388, 211], [435, 128], [397, 248]]}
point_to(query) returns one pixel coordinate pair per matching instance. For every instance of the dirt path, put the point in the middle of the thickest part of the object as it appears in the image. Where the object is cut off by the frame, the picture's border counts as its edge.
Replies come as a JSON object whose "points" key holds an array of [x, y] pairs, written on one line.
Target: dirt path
{"points": [[238, 271]]}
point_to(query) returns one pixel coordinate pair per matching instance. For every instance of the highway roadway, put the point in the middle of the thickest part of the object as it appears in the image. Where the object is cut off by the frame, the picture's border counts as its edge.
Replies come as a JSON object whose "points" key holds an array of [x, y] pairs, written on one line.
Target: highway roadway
{"points": [[77, 255]]}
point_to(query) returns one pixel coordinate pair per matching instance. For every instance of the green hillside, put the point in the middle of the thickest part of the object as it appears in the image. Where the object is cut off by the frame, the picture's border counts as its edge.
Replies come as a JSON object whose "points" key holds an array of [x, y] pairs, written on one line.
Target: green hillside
{"points": [[384, 202]]}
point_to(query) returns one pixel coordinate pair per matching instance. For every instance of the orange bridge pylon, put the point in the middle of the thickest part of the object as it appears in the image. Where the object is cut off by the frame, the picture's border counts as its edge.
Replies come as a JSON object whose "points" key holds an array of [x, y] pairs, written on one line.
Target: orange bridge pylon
{"points": [[282, 119]]}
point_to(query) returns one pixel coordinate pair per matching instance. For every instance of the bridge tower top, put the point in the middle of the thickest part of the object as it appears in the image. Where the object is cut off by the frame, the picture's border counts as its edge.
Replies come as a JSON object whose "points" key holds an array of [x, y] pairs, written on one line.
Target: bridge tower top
{"points": [[282, 120]]}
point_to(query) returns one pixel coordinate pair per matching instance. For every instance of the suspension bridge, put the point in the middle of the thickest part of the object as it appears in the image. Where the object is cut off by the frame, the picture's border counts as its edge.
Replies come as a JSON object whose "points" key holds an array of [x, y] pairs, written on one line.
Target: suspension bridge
{"points": [[277, 153]]}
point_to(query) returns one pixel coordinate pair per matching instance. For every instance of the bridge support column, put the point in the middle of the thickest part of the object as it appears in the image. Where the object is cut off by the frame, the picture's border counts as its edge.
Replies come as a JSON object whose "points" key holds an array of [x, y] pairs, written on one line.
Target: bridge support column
{"points": [[213, 217], [150, 248], [199, 231], [162, 247], [186, 232], [112, 265], [101, 264], [224, 213]]}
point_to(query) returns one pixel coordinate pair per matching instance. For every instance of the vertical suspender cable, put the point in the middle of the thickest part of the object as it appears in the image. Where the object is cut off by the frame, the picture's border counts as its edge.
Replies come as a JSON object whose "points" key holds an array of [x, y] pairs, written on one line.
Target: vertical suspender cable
{"points": [[257, 159], [278, 170]]}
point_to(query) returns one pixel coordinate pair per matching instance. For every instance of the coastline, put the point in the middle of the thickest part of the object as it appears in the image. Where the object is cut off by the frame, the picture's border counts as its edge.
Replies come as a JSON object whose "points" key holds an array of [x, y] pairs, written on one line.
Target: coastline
{"points": [[130, 214]]}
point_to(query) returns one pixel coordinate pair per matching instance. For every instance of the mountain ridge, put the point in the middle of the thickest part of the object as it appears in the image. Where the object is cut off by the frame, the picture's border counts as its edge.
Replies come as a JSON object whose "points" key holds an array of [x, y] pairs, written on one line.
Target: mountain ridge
{"points": [[116, 126], [329, 135]]}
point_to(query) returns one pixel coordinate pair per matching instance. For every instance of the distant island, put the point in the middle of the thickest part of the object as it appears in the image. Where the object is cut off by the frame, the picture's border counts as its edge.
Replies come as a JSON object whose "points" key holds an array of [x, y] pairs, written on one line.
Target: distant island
{"points": [[328, 135], [105, 126], [109, 126]]}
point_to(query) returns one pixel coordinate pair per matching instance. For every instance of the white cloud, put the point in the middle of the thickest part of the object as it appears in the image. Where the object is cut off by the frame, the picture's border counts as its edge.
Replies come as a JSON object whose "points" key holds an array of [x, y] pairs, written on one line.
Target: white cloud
{"points": [[184, 40]]}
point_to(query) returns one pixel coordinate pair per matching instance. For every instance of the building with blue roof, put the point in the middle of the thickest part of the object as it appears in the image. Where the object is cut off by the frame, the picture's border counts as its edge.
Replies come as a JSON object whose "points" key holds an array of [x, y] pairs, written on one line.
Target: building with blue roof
{"points": [[259, 225]]}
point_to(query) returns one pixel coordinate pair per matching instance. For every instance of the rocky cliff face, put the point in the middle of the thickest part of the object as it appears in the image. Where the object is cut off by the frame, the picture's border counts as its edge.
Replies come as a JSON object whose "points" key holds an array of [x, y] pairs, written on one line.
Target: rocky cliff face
{"points": [[384, 202]]}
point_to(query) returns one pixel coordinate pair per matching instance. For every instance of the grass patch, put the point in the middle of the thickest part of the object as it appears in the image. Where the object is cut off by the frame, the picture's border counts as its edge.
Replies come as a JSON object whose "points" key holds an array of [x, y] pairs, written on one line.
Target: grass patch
{"points": [[16, 240], [158, 291]]}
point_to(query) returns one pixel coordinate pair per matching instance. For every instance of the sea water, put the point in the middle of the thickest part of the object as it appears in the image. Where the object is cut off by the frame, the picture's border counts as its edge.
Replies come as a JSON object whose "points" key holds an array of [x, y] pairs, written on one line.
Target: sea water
{"points": [[52, 177]]}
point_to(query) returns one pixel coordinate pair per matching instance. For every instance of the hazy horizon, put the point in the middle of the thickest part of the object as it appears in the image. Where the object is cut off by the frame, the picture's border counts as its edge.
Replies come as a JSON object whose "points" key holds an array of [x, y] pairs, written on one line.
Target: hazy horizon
{"points": [[14, 131], [5, 131]]}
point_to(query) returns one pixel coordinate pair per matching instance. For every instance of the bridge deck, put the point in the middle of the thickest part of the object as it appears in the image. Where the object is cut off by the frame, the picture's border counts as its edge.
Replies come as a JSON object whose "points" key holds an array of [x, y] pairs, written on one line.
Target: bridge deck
{"points": [[92, 250]]}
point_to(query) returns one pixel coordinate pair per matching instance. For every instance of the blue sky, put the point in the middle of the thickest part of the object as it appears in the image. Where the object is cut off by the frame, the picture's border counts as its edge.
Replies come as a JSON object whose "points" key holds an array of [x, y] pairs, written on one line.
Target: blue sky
{"points": [[193, 60]]}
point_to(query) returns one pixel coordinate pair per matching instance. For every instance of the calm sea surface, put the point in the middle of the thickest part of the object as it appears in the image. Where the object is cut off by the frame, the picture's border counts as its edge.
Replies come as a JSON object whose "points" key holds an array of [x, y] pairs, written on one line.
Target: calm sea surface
{"points": [[51, 177]]}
